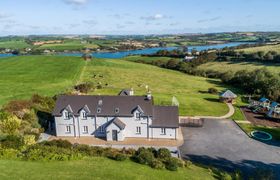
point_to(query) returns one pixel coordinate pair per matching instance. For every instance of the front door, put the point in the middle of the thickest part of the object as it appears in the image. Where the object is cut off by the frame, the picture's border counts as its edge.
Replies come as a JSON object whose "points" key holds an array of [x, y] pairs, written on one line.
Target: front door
{"points": [[114, 135]]}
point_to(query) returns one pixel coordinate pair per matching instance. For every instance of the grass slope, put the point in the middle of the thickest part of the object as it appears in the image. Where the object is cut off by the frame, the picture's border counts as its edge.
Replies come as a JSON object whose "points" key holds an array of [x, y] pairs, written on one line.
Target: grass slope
{"points": [[23, 76], [237, 66], [14, 44], [163, 83], [49, 75], [94, 168], [262, 48]]}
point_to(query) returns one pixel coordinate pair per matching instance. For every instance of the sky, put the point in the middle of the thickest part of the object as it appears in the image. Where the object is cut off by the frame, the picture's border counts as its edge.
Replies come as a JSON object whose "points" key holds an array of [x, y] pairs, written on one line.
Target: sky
{"points": [[125, 17]]}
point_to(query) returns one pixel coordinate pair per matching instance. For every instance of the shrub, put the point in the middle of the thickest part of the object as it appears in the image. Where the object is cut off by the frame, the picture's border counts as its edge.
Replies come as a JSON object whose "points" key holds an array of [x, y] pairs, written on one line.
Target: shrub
{"points": [[172, 164], [120, 157], [10, 125], [157, 164], [9, 153], [84, 88], [163, 154], [129, 151], [212, 91], [188, 163], [29, 140], [143, 156], [11, 141], [58, 143]]}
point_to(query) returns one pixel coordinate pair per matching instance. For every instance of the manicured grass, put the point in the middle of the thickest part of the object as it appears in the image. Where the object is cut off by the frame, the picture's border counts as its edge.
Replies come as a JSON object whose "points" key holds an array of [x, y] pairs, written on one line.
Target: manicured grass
{"points": [[13, 44], [248, 128], [262, 48], [47, 75], [95, 168], [237, 66], [164, 84]]}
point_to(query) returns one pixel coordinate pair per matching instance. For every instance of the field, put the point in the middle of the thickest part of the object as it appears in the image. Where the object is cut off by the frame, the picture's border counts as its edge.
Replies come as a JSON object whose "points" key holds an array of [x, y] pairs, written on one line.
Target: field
{"points": [[49, 75], [14, 44], [94, 168], [237, 66], [262, 48], [68, 45], [26, 75]]}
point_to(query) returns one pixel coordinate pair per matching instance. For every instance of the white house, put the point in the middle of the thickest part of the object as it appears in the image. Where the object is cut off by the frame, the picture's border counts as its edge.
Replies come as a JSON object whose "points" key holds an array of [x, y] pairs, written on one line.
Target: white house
{"points": [[114, 117]]}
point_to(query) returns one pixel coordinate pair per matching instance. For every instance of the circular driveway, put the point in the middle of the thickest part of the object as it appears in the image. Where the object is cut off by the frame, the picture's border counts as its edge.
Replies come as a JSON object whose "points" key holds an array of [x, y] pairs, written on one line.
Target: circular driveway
{"points": [[221, 143]]}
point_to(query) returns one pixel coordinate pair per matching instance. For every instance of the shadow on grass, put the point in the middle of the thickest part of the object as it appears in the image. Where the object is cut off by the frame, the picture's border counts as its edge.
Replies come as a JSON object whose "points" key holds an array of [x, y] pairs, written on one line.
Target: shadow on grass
{"points": [[248, 168], [212, 99]]}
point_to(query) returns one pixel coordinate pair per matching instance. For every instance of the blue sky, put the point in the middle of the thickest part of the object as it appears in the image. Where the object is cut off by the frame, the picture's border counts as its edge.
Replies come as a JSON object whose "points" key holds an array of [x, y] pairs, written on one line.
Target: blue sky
{"points": [[23, 17]]}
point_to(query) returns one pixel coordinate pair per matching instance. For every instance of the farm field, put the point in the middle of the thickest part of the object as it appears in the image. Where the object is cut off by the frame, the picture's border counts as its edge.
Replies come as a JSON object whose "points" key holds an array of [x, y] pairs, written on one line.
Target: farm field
{"points": [[68, 45], [95, 168], [27, 75], [262, 48], [237, 66], [50, 75], [14, 44]]}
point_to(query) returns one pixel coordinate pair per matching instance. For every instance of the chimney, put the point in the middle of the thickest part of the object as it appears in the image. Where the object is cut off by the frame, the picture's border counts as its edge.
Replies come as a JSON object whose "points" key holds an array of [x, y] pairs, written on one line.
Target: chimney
{"points": [[149, 95], [131, 92]]}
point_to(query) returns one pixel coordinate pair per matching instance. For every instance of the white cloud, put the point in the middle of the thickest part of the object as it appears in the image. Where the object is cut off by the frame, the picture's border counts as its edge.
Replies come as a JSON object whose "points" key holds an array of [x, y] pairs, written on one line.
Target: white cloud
{"points": [[155, 17], [76, 2]]}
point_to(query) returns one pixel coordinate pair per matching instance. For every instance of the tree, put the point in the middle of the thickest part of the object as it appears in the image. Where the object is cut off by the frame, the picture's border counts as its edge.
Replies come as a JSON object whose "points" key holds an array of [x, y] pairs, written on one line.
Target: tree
{"points": [[10, 125]]}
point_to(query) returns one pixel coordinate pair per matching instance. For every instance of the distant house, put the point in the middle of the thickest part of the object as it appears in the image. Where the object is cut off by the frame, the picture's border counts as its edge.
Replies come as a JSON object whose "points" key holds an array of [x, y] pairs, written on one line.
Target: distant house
{"points": [[264, 102], [87, 57], [126, 92], [188, 58], [228, 97], [115, 118]]}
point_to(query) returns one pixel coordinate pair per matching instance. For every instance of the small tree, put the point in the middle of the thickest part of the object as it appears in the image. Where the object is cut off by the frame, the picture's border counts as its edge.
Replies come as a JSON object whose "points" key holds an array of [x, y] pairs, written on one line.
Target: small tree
{"points": [[10, 125]]}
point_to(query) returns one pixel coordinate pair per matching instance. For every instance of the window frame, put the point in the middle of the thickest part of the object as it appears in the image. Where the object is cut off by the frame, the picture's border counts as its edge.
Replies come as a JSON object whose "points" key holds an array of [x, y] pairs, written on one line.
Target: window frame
{"points": [[66, 115], [117, 110], [66, 129], [163, 131], [84, 115], [138, 130], [138, 115], [98, 110], [85, 129]]}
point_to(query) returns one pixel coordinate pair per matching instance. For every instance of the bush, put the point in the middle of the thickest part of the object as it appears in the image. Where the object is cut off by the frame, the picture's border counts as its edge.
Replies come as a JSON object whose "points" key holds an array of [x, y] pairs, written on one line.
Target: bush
{"points": [[9, 153], [188, 163], [157, 164], [143, 156], [11, 141], [84, 88], [163, 154], [120, 157], [212, 91], [172, 164], [58, 143]]}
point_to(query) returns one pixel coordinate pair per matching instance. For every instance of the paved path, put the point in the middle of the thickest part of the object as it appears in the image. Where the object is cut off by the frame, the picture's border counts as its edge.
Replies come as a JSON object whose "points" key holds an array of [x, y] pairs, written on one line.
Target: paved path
{"points": [[223, 144], [228, 115]]}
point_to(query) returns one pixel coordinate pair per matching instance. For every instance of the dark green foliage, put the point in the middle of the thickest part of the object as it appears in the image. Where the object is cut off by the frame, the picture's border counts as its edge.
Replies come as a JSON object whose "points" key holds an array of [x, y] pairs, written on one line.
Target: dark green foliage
{"points": [[58, 143], [120, 157], [263, 174], [172, 164], [157, 164], [11, 141], [163, 154], [143, 156], [212, 90], [84, 87]]}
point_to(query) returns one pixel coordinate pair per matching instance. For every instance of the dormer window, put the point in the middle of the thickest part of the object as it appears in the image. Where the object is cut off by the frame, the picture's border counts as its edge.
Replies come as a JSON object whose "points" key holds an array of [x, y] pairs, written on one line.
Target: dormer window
{"points": [[98, 110], [100, 102], [138, 115], [66, 115], [84, 115], [117, 110]]}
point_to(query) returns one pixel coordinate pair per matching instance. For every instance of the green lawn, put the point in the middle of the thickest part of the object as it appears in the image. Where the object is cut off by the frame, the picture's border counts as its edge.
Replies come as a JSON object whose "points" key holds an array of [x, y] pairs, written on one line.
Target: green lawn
{"points": [[50, 75], [95, 168], [70, 45], [237, 66], [23, 76], [14, 44]]}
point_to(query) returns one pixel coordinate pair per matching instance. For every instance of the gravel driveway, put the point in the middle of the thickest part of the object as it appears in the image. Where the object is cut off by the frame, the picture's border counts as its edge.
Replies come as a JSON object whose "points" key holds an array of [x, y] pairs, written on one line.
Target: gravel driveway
{"points": [[223, 144]]}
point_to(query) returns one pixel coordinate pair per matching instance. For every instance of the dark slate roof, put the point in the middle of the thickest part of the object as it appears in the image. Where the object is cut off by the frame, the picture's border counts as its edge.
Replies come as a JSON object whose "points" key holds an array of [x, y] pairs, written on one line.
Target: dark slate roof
{"points": [[108, 105], [165, 117], [228, 94], [118, 123]]}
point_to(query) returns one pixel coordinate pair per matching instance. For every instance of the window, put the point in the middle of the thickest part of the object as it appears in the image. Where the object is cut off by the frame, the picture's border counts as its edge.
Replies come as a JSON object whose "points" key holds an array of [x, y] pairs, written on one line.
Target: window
{"points": [[163, 131], [84, 115], [66, 115], [68, 129], [138, 130], [85, 129], [117, 110], [98, 110], [138, 115]]}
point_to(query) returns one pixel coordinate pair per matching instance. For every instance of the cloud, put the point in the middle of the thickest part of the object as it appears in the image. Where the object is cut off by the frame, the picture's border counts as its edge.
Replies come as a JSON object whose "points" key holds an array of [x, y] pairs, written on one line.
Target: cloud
{"points": [[209, 19], [155, 17], [76, 2], [4, 15]]}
